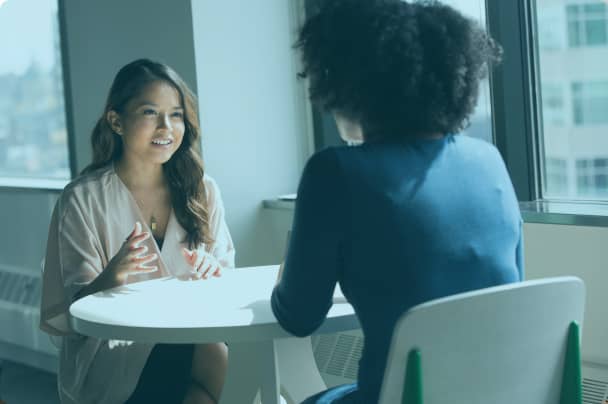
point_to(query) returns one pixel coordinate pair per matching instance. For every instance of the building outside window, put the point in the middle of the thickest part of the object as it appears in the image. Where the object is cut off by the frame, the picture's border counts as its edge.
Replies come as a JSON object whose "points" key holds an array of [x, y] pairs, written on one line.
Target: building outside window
{"points": [[557, 175], [548, 37], [592, 177], [33, 135], [587, 24], [574, 98], [554, 104], [590, 103]]}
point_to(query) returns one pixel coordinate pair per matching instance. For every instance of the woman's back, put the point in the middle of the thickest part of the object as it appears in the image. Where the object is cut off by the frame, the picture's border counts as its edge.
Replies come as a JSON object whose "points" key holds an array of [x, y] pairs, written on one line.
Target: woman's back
{"points": [[410, 222], [411, 214]]}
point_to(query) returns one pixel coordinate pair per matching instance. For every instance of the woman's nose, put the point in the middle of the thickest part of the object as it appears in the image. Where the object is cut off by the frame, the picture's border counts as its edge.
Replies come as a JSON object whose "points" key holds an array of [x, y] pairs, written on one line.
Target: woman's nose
{"points": [[164, 121]]}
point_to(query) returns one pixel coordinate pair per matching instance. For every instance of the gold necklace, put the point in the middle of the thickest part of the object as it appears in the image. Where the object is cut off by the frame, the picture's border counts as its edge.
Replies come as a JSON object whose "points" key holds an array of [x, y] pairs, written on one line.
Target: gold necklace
{"points": [[153, 222]]}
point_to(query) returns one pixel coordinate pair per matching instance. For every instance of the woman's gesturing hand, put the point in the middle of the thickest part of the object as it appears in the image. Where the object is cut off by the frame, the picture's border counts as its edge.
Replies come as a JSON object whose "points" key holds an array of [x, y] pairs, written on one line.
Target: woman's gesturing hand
{"points": [[131, 259], [203, 264]]}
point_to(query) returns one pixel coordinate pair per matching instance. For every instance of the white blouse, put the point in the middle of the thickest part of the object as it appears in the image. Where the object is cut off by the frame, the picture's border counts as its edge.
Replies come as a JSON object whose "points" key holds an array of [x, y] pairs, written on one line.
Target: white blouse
{"points": [[92, 218]]}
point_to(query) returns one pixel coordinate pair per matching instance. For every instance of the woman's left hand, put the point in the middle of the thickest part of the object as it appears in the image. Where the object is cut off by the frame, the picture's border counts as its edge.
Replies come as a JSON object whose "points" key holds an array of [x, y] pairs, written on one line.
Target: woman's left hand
{"points": [[203, 264]]}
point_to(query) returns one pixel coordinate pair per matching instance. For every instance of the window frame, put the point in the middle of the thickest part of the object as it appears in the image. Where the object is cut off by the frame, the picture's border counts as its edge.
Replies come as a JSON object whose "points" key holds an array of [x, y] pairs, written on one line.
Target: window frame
{"points": [[520, 138], [516, 125]]}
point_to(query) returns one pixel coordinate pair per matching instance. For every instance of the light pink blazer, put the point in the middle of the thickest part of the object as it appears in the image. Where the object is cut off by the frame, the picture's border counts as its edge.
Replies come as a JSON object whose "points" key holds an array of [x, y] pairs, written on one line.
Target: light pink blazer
{"points": [[92, 218]]}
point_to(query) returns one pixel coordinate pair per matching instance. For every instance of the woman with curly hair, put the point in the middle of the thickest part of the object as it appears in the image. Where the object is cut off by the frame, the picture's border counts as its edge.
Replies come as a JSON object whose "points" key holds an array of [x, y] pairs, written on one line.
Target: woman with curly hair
{"points": [[414, 211], [142, 209]]}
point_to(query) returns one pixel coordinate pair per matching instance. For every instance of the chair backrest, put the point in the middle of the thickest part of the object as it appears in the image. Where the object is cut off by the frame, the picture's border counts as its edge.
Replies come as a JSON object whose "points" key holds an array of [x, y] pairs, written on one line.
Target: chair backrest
{"points": [[500, 345]]}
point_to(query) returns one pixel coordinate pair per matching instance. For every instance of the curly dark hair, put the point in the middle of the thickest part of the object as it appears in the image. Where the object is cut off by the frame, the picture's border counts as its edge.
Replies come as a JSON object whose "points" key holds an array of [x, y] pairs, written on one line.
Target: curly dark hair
{"points": [[399, 69], [184, 171]]}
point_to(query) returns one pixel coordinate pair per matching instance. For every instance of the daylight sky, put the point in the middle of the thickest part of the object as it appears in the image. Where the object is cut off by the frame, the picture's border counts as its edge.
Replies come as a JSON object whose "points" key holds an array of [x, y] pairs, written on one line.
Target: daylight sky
{"points": [[26, 33]]}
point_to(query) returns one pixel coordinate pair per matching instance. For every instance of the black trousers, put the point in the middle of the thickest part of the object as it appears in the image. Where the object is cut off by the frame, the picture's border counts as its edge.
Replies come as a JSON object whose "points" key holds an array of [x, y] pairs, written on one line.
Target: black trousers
{"points": [[166, 375]]}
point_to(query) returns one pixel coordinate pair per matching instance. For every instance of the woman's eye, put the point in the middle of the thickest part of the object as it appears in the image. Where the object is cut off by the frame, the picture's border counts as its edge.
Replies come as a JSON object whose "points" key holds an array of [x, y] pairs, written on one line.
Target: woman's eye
{"points": [[149, 112], [178, 115]]}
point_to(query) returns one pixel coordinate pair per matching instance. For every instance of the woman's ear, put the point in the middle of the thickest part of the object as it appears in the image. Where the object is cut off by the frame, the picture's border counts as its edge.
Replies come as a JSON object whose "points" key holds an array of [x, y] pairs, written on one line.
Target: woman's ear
{"points": [[114, 122]]}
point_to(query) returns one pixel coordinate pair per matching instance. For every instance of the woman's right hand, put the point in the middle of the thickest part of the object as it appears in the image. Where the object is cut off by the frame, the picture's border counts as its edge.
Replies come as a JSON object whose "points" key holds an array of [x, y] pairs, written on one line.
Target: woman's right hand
{"points": [[131, 259]]}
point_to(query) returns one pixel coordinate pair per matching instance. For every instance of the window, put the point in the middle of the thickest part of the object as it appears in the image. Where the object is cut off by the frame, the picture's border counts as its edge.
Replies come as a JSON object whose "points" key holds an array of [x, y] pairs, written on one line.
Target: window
{"points": [[592, 177], [549, 34], [556, 175], [587, 24], [590, 102], [33, 135], [574, 101], [553, 103]]}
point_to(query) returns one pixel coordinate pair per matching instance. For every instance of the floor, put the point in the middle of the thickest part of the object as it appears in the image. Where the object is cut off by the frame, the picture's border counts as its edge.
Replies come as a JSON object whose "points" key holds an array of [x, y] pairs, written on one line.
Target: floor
{"points": [[20, 384]]}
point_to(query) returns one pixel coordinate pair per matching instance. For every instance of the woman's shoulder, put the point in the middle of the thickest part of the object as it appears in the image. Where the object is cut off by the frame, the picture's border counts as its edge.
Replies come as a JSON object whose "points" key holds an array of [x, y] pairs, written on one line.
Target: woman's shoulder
{"points": [[328, 160], [90, 183], [210, 184], [212, 190], [474, 144]]}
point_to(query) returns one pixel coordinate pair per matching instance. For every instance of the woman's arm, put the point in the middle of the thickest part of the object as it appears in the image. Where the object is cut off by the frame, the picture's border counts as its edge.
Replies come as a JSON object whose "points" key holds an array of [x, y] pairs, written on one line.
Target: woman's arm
{"points": [[303, 295]]}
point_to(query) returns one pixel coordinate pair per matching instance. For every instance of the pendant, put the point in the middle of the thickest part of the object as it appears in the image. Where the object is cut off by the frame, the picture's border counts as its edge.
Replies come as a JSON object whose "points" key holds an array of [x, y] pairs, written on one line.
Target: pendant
{"points": [[153, 223]]}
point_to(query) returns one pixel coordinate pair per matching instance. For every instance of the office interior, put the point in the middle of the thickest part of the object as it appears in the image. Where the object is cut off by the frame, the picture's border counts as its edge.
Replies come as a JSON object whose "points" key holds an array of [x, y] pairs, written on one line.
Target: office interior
{"points": [[258, 130]]}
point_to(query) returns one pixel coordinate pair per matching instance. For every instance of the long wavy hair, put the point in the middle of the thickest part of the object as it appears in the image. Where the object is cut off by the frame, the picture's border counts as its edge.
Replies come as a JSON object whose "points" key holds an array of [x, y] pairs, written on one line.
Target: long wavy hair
{"points": [[184, 171]]}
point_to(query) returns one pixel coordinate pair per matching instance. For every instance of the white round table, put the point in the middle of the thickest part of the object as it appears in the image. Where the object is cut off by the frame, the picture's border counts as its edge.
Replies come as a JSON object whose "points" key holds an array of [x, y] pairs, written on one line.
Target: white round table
{"points": [[234, 308]]}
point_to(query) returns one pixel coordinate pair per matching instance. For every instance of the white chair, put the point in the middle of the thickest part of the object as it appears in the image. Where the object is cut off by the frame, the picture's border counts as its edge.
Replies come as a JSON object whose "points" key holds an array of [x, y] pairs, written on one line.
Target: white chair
{"points": [[516, 343]]}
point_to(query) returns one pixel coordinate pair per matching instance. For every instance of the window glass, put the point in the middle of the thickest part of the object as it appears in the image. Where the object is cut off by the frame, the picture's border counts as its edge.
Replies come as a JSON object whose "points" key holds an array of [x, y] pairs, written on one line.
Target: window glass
{"points": [[33, 136], [590, 102], [586, 23], [573, 53]]}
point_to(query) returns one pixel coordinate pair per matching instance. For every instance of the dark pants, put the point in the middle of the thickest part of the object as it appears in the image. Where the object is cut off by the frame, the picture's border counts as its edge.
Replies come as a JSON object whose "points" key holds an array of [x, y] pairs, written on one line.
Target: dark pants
{"points": [[166, 375]]}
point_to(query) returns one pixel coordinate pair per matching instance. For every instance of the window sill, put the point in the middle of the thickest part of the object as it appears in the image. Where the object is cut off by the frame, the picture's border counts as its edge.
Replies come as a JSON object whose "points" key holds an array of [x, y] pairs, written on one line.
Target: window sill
{"points": [[32, 183], [279, 204], [573, 213], [579, 213]]}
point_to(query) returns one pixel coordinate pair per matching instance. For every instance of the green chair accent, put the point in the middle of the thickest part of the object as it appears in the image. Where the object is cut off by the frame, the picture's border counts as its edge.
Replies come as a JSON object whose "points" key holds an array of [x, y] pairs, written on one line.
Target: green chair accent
{"points": [[572, 388], [516, 343], [412, 385]]}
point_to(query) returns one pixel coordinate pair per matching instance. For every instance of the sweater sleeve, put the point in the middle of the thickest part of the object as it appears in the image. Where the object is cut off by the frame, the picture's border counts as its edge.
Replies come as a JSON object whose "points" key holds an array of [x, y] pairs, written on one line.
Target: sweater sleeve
{"points": [[302, 298], [223, 247], [73, 260]]}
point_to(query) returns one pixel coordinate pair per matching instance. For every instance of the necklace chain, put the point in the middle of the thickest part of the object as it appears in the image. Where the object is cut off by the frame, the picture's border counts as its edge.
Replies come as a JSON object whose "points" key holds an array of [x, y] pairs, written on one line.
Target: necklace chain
{"points": [[153, 222]]}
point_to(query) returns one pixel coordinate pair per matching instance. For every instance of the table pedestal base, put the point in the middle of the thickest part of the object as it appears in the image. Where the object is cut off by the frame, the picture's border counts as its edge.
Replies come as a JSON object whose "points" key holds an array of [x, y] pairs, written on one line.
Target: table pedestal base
{"points": [[265, 365]]}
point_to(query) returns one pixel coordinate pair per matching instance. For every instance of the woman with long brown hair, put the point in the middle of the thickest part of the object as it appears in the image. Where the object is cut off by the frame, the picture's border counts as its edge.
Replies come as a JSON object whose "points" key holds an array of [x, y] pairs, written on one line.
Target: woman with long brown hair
{"points": [[143, 209]]}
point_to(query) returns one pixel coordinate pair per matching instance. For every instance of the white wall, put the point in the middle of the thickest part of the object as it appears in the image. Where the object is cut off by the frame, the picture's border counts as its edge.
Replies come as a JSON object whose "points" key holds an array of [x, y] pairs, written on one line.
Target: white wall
{"points": [[555, 250], [252, 113]]}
